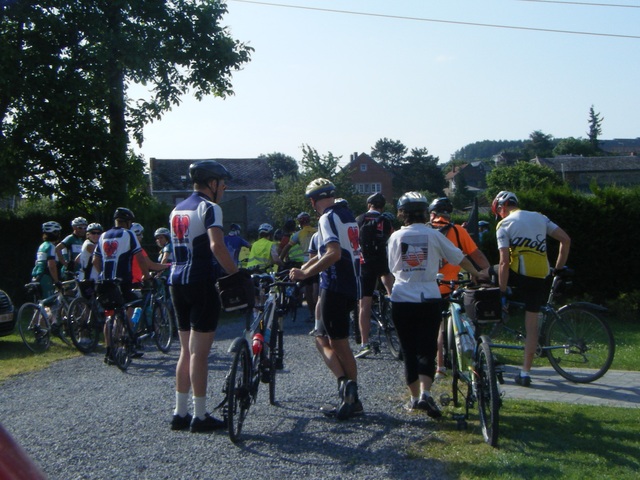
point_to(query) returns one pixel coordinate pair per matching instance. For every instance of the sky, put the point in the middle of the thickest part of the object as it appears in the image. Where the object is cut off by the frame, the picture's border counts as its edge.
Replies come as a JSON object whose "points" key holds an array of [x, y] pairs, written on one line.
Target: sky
{"points": [[338, 75]]}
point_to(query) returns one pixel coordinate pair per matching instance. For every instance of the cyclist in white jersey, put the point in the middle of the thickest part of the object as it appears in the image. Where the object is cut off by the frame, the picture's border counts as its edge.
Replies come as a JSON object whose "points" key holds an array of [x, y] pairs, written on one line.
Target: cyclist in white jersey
{"points": [[338, 262], [199, 258]]}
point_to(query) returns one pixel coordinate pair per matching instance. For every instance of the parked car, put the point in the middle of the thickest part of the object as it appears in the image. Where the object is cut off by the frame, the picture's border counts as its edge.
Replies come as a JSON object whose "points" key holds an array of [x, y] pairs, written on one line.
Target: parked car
{"points": [[7, 314]]}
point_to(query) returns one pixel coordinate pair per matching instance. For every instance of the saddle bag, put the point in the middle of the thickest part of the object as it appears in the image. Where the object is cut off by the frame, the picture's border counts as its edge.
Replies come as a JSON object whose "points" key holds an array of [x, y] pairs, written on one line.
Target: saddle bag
{"points": [[109, 295], [483, 304], [236, 291]]}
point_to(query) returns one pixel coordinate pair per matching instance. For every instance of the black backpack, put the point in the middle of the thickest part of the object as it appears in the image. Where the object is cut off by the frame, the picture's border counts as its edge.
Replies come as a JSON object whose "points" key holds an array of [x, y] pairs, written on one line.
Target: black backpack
{"points": [[374, 233]]}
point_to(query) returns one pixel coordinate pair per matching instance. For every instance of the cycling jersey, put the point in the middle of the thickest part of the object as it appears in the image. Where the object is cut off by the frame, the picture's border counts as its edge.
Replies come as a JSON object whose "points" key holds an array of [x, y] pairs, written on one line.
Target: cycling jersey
{"points": [[86, 271], [261, 253], [73, 247], [301, 238], [525, 234], [193, 260], [337, 224], [415, 252], [46, 251], [234, 244], [115, 249]]}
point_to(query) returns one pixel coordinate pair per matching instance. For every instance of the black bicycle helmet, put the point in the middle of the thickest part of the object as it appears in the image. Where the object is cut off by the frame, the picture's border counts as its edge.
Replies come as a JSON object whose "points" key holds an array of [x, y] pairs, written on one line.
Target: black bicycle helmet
{"points": [[412, 202], [205, 170], [441, 205], [123, 213], [377, 200]]}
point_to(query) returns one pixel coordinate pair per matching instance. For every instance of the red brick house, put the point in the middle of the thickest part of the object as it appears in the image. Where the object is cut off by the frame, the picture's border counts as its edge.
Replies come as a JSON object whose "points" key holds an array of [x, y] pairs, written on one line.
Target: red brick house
{"points": [[368, 176]]}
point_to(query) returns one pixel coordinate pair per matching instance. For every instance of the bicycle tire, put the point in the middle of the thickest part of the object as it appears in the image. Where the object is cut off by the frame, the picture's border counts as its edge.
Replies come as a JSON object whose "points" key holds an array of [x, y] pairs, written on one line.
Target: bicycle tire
{"points": [[487, 394], [82, 325], [120, 341], [390, 331], [271, 364], [63, 326], [238, 392], [456, 381], [588, 343], [34, 327], [162, 327]]}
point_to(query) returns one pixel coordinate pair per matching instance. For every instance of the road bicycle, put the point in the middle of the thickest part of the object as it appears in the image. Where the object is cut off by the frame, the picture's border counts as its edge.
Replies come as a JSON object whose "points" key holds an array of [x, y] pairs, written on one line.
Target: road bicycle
{"points": [[381, 325], [39, 319], [126, 338], [257, 355], [576, 340], [475, 374], [86, 319]]}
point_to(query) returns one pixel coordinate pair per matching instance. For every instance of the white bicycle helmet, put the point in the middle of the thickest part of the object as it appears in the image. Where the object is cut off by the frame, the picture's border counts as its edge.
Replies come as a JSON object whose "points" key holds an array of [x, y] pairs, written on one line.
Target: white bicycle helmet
{"points": [[265, 227], [137, 229], [320, 188], [79, 222], [95, 227], [412, 201], [162, 231], [502, 198], [51, 227]]}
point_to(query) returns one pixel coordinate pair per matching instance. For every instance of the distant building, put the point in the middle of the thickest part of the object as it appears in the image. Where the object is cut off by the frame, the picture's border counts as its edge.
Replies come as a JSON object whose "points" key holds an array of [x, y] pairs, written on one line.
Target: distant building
{"points": [[244, 200], [620, 146], [369, 177], [472, 175], [579, 172]]}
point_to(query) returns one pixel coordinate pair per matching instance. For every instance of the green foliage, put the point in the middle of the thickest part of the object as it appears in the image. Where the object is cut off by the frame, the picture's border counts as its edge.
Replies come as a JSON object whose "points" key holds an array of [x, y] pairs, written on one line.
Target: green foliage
{"points": [[486, 149], [575, 146], [281, 165], [595, 127], [521, 176]]}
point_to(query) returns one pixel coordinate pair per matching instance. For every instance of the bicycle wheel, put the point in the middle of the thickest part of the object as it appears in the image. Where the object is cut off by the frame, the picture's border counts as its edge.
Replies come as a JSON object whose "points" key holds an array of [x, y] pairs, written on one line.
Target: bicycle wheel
{"points": [[63, 327], [120, 341], [238, 392], [82, 325], [271, 363], [581, 344], [33, 327], [162, 327], [390, 331], [456, 381], [487, 393]]}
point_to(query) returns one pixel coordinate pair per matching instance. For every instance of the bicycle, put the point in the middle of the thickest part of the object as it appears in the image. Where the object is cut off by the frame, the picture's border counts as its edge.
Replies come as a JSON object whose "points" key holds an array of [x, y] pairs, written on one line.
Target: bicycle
{"points": [[257, 355], [469, 354], [86, 319], [381, 325], [576, 340], [35, 319], [125, 337]]}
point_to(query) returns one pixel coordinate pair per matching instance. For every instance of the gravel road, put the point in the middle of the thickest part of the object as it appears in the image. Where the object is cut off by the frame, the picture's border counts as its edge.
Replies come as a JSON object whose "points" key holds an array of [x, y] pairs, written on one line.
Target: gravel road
{"points": [[80, 419]]}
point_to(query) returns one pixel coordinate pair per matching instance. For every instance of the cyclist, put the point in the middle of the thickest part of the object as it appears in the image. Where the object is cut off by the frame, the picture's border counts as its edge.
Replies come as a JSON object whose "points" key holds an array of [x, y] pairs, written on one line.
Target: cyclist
{"points": [[235, 243], [440, 218], [375, 228], [264, 251], [136, 271], [338, 263], [415, 252], [113, 257], [71, 246], [84, 265], [162, 236], [45, 269], [522, 243], [297, 250], [199, 254]]}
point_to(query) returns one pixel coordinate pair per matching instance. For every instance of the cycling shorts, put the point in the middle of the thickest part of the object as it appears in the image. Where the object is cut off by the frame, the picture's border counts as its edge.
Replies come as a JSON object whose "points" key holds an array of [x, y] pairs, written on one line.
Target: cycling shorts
{"points": [[529, 290], [197, 306], [335, 310], [369, 274]]}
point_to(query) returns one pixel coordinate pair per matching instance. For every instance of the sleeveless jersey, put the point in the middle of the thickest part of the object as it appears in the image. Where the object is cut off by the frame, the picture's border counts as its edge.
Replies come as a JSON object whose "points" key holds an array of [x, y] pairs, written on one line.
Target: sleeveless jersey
{"points": [[260, 255], [193, 260], [116, 248], [525, 234], [302, 238], [337, 224]]}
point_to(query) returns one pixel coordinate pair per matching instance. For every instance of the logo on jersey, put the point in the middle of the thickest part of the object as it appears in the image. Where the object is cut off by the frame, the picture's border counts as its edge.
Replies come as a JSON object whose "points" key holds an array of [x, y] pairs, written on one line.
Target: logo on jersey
{"points": [[110, 247], [180, 227], [353, 238], [412, 256]]}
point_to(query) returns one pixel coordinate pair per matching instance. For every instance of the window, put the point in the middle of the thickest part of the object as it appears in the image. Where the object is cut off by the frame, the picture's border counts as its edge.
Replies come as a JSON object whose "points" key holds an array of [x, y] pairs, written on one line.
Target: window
{"points": [[368, 187], [363, 167]]}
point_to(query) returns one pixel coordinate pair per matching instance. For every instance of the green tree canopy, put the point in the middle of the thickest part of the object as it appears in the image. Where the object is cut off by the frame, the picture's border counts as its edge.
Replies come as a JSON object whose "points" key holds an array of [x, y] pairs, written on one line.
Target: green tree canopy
{"points": [[522, 176], [595, 127], [281, 165], [66, 118], [574, 146]]}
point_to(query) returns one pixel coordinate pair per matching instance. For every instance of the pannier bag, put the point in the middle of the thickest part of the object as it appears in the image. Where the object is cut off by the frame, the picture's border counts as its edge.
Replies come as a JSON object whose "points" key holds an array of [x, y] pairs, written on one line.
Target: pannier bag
{"points": [[109, 295], [236, 291], [483, 305]]}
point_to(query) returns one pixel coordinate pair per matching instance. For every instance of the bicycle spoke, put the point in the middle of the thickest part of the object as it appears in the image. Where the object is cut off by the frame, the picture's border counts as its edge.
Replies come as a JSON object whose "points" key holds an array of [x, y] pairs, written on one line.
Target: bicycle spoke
{"points": [[33, 327]]}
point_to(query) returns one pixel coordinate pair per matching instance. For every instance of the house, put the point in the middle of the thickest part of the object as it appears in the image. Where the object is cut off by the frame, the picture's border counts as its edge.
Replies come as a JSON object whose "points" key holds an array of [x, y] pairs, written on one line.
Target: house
{"points": [[368, 176], [471, 175], [579, 172], [620, 146], [244, 199]]}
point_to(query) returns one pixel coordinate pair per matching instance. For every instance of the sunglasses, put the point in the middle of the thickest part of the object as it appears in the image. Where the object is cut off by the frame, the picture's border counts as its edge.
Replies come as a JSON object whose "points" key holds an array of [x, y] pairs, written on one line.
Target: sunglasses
{"points": [[94, 233]]}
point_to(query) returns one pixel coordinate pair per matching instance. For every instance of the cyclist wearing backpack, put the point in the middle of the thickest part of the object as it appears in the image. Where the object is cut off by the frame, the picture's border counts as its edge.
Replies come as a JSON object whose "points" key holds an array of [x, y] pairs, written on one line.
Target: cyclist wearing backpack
{"points": [[440, 218], [375, 229]]}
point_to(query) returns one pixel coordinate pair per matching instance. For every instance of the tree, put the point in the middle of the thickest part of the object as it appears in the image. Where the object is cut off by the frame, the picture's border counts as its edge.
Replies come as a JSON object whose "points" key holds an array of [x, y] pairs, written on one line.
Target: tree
{"points": [[389, 153], [595, 128], [574, 146], [539, 145], [522, 176], [420, 171], [67, 119], [281, 165]]}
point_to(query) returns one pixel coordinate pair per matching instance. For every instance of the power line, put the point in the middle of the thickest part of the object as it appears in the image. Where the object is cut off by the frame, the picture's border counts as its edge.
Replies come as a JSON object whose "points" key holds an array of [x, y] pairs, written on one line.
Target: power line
{"points": [[587, 4], [433, 20]]}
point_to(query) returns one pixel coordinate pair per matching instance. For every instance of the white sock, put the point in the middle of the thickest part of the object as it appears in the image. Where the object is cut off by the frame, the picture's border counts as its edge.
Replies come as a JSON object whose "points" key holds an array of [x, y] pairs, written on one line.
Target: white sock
{"points": [[524, 374], [414, 399], [199, 407], [425, 393], [182, 404]]}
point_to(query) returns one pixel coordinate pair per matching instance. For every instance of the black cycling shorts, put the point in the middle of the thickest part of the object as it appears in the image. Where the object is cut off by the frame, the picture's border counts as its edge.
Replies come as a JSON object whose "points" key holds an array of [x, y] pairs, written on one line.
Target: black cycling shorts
{"points": [[197, 306], [369, 274], [528, 290], [335, 309]]}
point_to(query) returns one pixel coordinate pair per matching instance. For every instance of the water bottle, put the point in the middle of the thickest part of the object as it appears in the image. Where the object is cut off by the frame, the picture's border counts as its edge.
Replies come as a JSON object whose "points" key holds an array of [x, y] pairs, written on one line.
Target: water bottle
{"points": [[466, 339], [135, 318], [258, 339]]}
